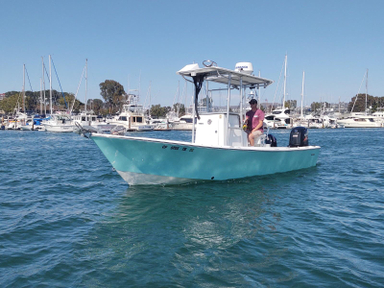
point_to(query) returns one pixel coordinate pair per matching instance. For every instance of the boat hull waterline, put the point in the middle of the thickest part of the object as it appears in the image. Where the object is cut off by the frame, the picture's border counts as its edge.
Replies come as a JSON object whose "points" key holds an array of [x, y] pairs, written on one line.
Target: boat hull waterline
{"points": [[148, 161]]}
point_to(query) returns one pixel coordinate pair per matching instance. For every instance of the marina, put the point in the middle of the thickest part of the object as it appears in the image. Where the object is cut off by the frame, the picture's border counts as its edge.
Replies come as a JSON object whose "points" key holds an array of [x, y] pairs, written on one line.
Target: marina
{"points": [[158, 144], [68, 219]]}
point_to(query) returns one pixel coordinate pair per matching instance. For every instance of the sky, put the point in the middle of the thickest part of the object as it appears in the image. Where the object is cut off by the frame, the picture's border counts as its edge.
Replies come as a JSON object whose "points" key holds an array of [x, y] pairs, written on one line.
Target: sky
{"points": [[142, 44]]}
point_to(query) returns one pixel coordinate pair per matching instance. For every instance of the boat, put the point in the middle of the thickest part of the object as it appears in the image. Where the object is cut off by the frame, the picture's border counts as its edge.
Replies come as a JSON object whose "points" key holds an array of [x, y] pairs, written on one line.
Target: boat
{"points": [[85, 118], [359, 121], [219, 149], [17, 121], [378, 116], [280, 118], [132, 117], [34, 124], [88, 118], [59, 123], [184, 123], [161, 124]]}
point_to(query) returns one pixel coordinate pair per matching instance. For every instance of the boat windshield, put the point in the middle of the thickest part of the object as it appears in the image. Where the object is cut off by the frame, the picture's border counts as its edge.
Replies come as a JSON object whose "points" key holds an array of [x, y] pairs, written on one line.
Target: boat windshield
{"points": [[277, 112]]}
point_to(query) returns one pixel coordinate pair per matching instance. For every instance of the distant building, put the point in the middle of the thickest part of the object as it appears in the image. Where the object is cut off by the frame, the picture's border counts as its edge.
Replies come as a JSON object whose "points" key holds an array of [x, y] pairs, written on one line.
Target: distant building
{"points": [[2, 96]]}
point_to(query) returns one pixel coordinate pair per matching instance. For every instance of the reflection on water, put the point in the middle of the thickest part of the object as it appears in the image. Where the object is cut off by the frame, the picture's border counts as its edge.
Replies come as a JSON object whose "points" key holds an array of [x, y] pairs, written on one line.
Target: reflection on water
{"points": [[179, 229]]}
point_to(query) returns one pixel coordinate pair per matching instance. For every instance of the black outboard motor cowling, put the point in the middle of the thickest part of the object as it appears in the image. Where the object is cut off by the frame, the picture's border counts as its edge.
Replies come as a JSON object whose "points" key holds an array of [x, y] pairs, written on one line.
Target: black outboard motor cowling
{"points": [[271, 140], [299, 137]]}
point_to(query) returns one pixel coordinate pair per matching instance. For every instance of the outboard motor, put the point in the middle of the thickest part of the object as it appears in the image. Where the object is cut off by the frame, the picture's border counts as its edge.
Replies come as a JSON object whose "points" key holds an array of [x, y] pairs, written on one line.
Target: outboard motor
{"points": [[299, 137], [271, 140]]}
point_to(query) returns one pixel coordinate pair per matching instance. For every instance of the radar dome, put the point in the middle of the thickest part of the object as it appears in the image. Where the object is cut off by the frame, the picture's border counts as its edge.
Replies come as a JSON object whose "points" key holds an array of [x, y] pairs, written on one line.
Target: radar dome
{"points": [[244, 67]]}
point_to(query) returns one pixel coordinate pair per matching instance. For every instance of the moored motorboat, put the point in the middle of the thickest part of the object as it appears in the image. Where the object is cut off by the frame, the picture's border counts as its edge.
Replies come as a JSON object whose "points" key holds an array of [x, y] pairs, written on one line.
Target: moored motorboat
{"points": [[58, 123], [219, 149], [359, 121], [132, 118]]}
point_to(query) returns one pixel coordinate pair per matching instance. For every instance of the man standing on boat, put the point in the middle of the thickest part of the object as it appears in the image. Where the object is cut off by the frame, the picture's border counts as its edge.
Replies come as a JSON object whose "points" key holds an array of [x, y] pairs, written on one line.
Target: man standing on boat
{"points": [[254, 120]]}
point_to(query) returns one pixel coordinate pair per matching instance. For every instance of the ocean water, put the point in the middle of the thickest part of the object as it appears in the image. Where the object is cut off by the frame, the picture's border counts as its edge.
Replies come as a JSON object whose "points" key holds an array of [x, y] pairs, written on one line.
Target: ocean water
{"points": [[68, 220]]}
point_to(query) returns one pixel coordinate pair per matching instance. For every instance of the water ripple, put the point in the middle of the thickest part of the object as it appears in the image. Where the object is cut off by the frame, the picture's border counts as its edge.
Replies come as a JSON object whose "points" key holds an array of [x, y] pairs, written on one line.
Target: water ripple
{"points": [[68, 220]]}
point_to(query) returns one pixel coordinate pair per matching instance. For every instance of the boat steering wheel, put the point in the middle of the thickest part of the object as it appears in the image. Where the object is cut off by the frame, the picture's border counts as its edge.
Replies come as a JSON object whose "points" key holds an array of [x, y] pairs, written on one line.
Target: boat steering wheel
{"points": [[209, 63]]}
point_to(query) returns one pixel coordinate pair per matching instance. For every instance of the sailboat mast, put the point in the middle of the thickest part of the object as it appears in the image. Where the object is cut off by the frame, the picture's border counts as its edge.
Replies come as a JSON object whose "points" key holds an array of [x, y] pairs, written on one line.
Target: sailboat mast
{"points": [[86, 84], [149, 96], [24, 87], [366, 93], [50, 85], [41, 96], [285, 80], [42, 71], [302, 95], [258, 92]]}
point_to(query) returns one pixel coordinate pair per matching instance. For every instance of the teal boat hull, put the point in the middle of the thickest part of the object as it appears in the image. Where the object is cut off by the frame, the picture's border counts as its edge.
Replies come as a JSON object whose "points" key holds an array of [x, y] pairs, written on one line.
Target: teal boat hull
{"points": [[147, 161]]}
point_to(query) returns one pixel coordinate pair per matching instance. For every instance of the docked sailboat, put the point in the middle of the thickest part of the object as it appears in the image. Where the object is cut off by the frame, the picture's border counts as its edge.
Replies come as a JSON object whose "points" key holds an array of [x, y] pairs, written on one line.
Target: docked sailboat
{"points": [[280, 118], [219, 148], [59, 122], [87, 118], [360, 120], [17, 121]]}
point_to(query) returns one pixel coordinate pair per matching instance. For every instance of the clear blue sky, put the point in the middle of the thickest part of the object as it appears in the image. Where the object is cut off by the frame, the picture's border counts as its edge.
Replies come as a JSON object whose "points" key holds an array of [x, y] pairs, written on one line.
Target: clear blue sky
{"points": [[333, 41]]}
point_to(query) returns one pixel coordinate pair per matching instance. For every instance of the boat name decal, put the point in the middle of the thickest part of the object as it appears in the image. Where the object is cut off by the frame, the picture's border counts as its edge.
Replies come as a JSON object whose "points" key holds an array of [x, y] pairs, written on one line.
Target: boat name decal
{"points": [[177, 148]]}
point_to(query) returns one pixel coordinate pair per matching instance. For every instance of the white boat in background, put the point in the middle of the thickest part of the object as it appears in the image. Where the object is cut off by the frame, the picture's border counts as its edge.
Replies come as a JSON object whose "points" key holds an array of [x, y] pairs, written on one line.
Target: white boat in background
{"points": [[132, 118], [85, 119], [17, 121], [359, 121], [310, 121], [161, 124], [58, 123], [378, 116], [279, 119], [34, 124], [184, 123], [219, 148]]}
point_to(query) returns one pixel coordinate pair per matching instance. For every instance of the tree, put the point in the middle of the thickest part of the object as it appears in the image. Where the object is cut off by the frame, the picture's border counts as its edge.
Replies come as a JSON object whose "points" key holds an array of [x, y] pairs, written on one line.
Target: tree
{"points": [[113, 93], [315, 106], [159, 112], [96, 105], [292, 104], [9, 103], [66, 102], [374, 102], [179, 107]]}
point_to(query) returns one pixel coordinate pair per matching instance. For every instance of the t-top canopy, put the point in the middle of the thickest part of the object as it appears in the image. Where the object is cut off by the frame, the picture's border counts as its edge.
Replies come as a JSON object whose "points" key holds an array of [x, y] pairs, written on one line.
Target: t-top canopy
{"points": [[221, 75]]}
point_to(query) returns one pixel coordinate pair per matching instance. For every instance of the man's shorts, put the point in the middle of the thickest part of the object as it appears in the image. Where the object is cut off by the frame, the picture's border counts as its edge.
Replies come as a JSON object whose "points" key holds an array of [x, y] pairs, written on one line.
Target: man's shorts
{"points": [[257, 133]]}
